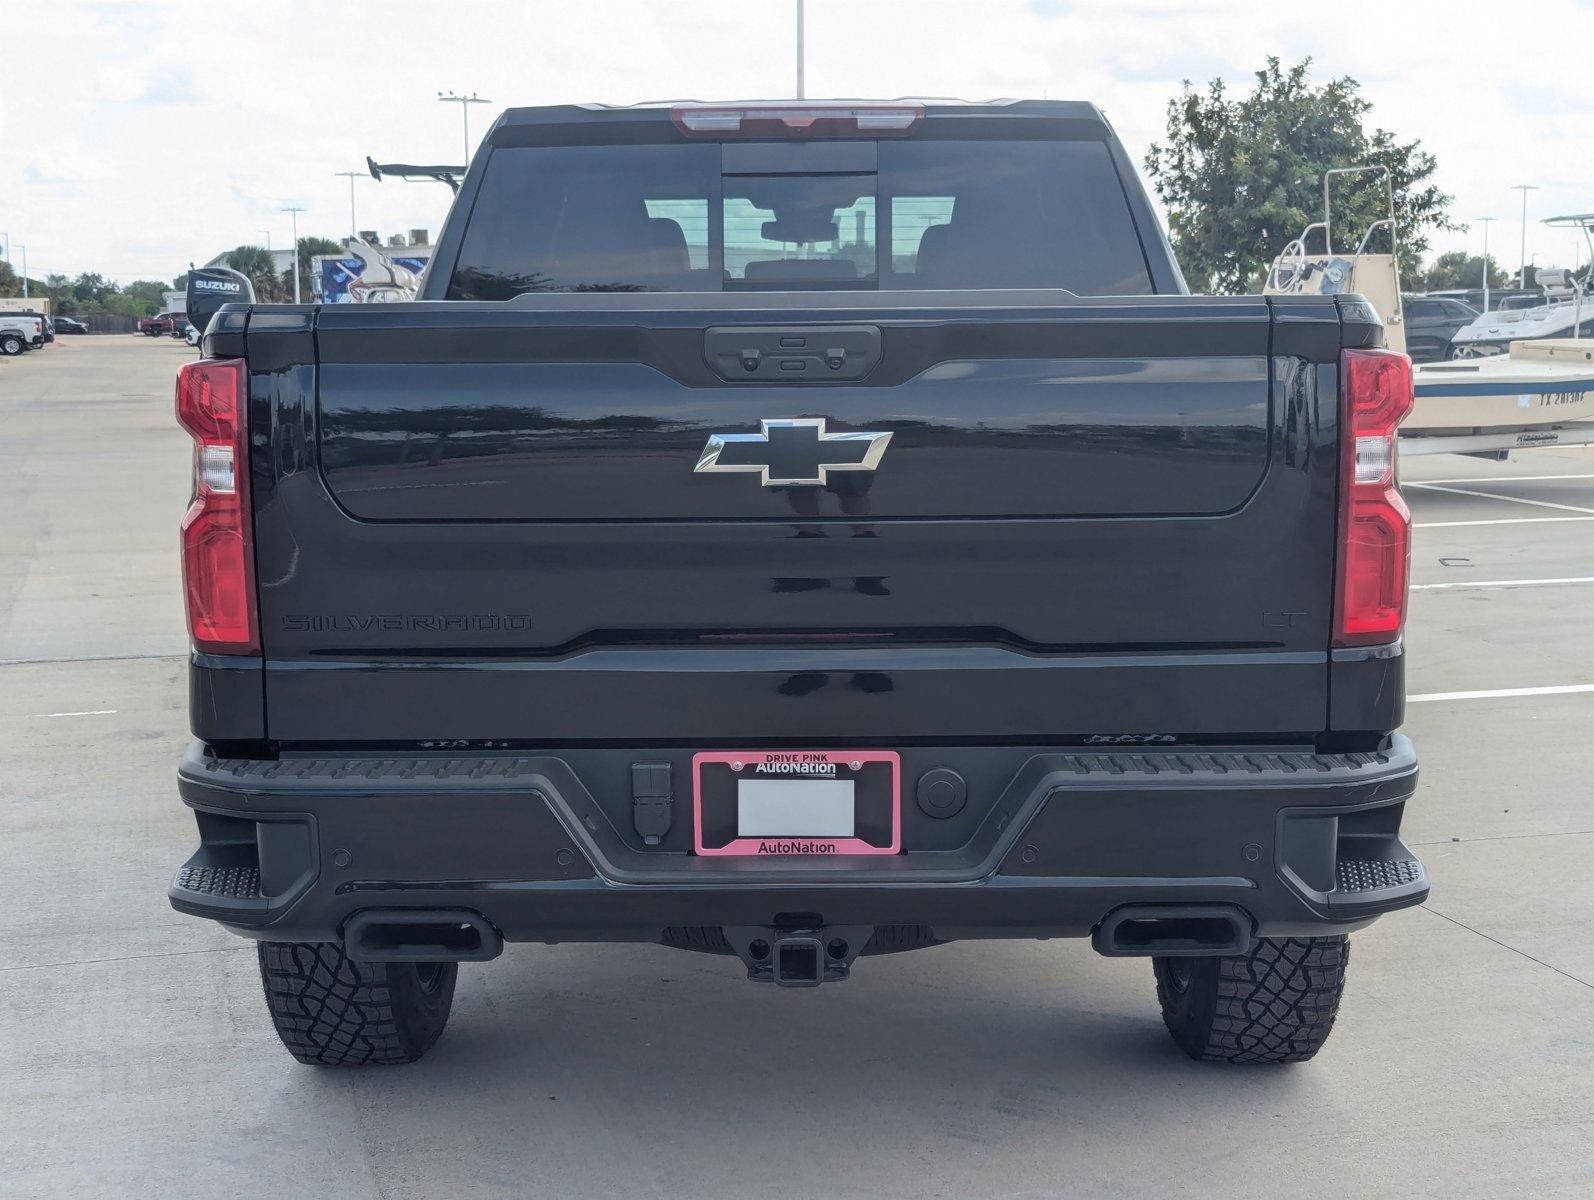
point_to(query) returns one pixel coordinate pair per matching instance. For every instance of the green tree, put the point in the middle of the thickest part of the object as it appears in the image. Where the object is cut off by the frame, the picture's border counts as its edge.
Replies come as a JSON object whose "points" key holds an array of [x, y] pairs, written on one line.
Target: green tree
{"points": [[1456, 269], [151, 291], [90, 287], [89, 292], [1240, 178], [309, 247], [121, 304], [11, 283], [68, 296]]}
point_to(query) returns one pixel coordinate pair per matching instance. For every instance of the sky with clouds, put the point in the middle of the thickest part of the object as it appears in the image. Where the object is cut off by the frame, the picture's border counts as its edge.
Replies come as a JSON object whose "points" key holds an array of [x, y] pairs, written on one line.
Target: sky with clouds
{"points": [[137, 137]]}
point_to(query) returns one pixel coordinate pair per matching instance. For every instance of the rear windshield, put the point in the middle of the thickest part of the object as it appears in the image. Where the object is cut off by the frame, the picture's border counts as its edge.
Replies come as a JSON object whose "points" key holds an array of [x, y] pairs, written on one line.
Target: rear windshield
{"points": [[933, 214]]}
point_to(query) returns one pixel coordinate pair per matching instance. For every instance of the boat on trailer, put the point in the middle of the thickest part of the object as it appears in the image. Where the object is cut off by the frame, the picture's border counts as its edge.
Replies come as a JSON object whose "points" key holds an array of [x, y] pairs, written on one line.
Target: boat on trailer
{"points": [[1539, 393]]}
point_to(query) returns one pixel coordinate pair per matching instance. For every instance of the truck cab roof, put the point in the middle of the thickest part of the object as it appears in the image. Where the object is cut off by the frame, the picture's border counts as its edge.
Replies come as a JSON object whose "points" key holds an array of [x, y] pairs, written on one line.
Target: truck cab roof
{"points": [[1007, 106], [806, 119]]}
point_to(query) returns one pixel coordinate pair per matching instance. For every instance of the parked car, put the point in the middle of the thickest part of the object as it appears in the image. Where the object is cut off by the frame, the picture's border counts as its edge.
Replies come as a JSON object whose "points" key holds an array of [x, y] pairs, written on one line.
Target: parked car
{"points": [[159, 324], [1506, 297], [1431, 324], [851, 538], [181, 326], [70, 325], [20, 332], [46, 323]]}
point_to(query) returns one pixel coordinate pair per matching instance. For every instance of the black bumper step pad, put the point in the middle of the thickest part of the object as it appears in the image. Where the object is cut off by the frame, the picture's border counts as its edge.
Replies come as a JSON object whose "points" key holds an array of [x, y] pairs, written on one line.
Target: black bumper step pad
{"points": [[1372, 875], [234, 883]]}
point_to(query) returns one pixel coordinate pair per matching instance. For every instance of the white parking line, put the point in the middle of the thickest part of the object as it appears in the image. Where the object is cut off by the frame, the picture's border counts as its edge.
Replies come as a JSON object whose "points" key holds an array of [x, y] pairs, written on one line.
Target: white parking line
{"points": [[1501, 693], [1494, 521], [1483, 583], [1434, 487], [93, 712], [1505, 479]]}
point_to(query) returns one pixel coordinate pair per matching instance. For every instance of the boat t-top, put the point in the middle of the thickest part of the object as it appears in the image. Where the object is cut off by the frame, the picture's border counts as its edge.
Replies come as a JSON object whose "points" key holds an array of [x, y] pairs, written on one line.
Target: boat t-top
{"points": [[1539, 392]]}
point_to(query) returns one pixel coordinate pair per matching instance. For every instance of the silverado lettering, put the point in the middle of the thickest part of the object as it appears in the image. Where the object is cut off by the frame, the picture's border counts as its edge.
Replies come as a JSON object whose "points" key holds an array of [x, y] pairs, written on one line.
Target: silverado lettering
{"points": [[400, 623]]}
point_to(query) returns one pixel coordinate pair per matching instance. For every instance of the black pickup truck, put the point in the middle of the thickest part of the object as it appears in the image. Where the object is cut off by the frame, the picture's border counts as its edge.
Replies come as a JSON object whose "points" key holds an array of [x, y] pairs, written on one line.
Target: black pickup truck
{"points": [[798, 532]]}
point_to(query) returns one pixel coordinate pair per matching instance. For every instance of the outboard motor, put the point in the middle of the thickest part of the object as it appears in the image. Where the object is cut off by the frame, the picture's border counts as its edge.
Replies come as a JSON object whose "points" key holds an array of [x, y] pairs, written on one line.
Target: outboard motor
{"points": [[211, 287]]}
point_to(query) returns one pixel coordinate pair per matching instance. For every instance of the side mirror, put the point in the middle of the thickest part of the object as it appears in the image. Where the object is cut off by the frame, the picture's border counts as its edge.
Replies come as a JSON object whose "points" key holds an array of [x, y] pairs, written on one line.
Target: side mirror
{"points": [[211, 287]]}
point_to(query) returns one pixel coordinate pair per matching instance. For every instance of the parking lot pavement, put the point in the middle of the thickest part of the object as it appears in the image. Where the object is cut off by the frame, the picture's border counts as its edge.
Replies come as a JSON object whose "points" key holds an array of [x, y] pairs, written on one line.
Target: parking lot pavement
{"points": [[92, 465], [136, 1060]]}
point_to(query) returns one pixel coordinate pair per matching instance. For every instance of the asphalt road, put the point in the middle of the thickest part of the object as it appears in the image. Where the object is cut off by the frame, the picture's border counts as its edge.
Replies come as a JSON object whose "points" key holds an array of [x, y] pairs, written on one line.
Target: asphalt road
{"points": [[136, 1059]]}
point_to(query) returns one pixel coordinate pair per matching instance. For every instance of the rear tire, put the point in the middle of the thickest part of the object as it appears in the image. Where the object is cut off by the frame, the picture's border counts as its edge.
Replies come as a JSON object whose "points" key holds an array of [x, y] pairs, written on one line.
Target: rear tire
{"points": [[332, 1011], [10, 345], [1274, 1005]]}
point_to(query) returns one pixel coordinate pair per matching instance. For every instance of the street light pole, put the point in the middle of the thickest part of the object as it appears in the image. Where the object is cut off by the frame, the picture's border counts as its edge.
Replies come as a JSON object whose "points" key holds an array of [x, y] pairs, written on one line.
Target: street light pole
{"points": [[295, 261], [800, 89], [1486, 221], [267, 232], [354, 226], [24, 250], [1524, 188], [464, 103]]}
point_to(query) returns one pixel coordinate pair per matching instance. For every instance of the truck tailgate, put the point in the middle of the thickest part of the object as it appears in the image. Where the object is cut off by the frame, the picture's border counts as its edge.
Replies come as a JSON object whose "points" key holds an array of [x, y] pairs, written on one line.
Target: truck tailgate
{"points": [[482, 521]]}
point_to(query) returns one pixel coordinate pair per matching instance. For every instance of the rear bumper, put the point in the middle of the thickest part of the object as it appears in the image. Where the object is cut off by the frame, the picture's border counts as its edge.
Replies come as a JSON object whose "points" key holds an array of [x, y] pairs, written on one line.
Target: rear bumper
{"points": [[1302, 844]]}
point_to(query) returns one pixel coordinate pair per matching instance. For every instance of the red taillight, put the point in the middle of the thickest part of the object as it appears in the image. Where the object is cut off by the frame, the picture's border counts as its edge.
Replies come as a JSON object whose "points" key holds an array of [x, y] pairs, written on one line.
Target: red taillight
{"points": [[1374, 522], [797, 119], [218, 554]]}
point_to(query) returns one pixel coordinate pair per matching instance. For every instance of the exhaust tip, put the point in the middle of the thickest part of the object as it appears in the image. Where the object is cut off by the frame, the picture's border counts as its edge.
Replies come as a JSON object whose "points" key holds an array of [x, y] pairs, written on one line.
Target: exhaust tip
{"points": [[1138, 931], [421, 935]]}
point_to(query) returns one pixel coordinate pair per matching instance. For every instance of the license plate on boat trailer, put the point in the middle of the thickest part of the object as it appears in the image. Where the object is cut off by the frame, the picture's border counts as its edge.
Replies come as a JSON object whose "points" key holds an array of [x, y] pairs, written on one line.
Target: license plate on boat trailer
{"points": [[797, 802]]}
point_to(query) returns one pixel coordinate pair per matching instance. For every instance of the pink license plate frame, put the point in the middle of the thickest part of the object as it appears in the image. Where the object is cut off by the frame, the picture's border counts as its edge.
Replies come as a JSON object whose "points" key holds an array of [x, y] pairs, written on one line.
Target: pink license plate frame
{"points": [[794, 847]]}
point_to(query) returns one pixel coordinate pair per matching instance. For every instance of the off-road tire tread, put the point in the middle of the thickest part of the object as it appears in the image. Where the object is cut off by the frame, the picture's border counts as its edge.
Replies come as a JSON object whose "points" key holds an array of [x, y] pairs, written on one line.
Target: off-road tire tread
{"points": [[332, 1011], [1274, 1005]]}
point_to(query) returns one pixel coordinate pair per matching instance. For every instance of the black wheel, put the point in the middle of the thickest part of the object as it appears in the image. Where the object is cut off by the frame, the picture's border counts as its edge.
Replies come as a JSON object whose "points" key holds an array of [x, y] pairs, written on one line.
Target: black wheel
{"points": [[1274, 1005], [332, 1011], [12, 345]]}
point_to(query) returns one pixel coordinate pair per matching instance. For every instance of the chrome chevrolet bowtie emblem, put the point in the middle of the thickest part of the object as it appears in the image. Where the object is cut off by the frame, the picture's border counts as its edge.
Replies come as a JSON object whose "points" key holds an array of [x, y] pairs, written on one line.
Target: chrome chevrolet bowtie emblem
{"points": [[792, 452]]}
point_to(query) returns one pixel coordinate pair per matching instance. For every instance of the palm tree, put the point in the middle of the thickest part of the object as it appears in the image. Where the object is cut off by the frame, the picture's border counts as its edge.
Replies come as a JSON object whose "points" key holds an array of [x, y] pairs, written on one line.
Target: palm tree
{"points": [[255, 263]]}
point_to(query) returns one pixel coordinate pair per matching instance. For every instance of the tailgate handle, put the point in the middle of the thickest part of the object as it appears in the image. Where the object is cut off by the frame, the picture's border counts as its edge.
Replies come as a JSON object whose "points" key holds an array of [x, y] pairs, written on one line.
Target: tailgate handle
{"points": [[792, 354]]}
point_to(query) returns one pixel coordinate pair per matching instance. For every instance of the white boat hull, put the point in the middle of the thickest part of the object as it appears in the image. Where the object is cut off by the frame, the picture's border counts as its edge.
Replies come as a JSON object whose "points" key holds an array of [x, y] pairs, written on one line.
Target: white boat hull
{"points": [[1542, 394]]}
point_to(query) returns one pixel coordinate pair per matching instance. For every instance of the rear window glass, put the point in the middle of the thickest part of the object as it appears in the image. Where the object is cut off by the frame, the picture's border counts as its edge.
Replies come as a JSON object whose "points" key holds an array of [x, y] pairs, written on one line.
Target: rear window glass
{"points": [[934, 214], [803, 230]]}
